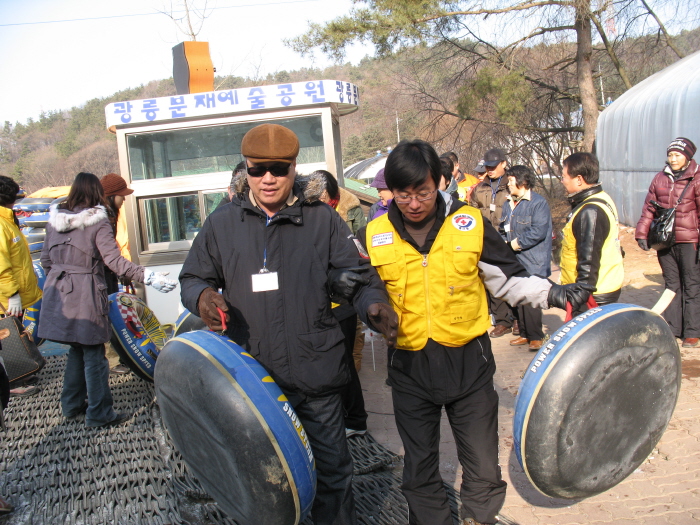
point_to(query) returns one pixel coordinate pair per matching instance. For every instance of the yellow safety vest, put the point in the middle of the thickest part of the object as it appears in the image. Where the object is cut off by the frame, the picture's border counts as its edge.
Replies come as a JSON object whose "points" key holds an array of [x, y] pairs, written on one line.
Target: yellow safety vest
{"points": [[16, 270], [611, 273], [440, 295]]}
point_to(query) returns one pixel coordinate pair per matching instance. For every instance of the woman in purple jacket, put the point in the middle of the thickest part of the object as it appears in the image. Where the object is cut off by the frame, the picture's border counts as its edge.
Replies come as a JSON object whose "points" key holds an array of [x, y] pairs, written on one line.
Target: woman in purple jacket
{"points": [[79, 243], [679, 263]]}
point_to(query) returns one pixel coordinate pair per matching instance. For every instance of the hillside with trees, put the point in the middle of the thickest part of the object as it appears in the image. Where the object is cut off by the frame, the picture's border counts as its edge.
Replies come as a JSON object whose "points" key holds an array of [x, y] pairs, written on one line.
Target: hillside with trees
{"points": [[436, 90]]}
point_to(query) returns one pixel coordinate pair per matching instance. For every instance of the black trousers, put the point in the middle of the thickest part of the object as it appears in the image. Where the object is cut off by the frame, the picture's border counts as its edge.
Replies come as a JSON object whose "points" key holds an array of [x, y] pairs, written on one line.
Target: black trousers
{"points": [[682, 275], [530, 322], [461, 380], [353, 400], [500, 311], [322, 418]]}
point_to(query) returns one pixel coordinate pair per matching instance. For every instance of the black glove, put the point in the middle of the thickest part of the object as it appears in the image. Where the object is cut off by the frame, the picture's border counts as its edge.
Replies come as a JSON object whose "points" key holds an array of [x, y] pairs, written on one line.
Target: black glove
{"points": [[343, 283], [643, 244], [383, 319], [576, 293], [209, 301]]}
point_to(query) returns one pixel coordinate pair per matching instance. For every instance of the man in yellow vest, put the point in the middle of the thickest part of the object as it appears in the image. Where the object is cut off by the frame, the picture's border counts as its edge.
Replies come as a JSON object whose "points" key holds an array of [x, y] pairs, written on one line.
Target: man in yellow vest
{"points": [[437, 256], [590, 251]]}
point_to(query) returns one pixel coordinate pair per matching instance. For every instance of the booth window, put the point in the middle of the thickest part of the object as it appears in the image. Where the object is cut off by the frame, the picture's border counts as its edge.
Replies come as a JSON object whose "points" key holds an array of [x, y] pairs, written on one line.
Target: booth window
{"points": [[176, 218], [171, 219], [211, 149]]}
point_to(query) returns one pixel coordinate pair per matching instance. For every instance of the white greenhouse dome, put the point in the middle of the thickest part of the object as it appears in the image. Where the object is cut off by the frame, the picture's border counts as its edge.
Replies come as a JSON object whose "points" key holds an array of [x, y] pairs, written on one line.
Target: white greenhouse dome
{"points": [[634, 131]]}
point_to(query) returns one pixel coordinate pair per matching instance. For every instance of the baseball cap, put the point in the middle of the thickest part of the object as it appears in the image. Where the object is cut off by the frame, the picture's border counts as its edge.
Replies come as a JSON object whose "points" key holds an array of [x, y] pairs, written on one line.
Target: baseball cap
{"points": [[480, 168], [494, 157]]}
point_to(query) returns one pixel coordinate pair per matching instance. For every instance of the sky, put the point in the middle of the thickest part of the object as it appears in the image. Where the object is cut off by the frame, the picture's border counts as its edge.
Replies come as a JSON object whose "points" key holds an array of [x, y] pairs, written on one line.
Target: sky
{"points": [[60, 54]]}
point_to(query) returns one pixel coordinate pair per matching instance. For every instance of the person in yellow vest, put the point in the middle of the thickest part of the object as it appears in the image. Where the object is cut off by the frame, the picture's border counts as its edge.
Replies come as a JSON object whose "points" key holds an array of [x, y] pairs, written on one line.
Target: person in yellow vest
{"points": [[460, 180], [19, 287], [466, 187], [590, 251], [437, 256]]}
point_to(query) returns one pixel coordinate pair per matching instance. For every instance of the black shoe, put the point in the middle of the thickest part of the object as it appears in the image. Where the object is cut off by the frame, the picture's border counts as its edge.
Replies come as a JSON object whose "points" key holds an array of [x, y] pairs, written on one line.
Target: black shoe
{"points": [[122, 417], [78, 413]]}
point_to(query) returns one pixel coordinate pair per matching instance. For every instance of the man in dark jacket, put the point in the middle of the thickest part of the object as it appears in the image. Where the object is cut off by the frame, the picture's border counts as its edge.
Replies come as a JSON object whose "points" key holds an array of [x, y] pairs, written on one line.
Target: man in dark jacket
{"points": [[590, 251], [489, 197], [276, 256]]}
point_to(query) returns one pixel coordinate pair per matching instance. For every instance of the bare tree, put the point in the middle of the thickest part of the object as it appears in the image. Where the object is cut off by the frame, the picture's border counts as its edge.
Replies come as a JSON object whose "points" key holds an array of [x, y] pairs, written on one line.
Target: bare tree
{"points": [[99, 158], [493, 42], [188, 17]]}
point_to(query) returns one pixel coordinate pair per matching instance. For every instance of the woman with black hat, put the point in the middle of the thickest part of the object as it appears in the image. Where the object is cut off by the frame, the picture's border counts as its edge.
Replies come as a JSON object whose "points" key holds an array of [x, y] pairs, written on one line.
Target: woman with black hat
{"points": [[677, 184]]}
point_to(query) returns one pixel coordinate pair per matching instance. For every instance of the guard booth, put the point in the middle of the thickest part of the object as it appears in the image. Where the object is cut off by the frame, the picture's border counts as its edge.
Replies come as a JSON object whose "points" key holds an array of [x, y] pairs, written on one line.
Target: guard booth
{"points": [[178, 154]]}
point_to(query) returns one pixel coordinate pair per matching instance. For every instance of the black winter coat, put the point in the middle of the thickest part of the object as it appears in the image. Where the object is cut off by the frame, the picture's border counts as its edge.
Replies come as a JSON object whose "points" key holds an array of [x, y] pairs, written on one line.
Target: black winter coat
{"points": [[290, 331]]}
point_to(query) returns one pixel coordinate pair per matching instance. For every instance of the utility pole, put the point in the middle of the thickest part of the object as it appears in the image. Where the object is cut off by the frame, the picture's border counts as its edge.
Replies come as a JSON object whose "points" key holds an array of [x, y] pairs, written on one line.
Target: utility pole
{"points": [[398, 137]]}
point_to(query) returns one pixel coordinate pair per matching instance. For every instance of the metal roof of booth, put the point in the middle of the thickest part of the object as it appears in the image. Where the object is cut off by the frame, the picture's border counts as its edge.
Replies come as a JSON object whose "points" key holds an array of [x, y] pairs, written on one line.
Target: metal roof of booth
{"points": [[634, 131]]}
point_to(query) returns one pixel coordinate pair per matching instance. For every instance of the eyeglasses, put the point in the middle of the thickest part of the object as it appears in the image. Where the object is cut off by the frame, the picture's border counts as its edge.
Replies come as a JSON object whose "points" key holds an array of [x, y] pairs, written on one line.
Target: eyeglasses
{"points": [[421, 197], [278, 170]]}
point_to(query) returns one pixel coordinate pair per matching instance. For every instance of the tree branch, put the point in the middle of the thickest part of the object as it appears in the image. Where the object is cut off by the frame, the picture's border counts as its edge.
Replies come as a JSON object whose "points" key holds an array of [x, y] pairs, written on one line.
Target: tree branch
{"points": [[539, 129], [663, 30], [611, 53], [539, 32], [521, 7]]}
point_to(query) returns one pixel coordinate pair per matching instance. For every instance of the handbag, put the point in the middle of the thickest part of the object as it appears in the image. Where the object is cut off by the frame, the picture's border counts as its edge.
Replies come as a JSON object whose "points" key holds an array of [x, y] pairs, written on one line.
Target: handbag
{"points": [[19, 352], [662, 232]]}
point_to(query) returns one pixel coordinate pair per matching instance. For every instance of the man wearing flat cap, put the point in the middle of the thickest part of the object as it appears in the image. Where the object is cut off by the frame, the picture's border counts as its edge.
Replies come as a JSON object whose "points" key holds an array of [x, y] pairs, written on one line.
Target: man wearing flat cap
{"points": [[276, 255], [489, 196]]}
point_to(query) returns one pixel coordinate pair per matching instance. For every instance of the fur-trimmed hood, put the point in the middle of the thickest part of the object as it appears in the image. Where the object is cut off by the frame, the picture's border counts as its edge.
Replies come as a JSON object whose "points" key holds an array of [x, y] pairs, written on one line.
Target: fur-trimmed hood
{"points": [[347, 202], [65, 220], [311, 185]]}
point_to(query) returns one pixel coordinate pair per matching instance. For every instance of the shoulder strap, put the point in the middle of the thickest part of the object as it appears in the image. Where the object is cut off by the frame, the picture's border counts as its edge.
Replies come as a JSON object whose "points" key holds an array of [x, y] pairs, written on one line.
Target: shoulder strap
{"points": [[683, 192], [595, 200]]}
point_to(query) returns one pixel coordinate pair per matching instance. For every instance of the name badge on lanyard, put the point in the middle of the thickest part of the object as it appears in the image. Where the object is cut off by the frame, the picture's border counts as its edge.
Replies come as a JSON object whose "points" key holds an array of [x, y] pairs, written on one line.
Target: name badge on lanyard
{"points": [[265, 281], [492, 207], [507, 227]]}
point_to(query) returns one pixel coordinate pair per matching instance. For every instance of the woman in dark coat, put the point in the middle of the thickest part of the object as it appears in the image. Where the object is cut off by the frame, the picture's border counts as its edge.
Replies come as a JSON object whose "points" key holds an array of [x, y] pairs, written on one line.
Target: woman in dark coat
{"points": [[679, 263], [79, 242]]}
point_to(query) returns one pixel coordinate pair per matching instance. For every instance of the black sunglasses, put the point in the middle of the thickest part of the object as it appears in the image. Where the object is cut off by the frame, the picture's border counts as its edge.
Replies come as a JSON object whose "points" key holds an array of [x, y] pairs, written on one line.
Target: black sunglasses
{"points": [[278, 170]]}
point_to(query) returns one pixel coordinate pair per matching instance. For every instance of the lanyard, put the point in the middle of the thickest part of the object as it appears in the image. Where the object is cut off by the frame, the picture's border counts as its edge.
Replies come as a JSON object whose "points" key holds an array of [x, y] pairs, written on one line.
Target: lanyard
{"points": [[498, 183], [267, 223]]}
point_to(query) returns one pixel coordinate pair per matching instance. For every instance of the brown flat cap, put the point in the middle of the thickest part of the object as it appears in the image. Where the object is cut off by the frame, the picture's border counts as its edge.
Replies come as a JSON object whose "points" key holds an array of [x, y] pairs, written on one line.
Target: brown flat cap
{"points": [[270, 143], [113, 184]]}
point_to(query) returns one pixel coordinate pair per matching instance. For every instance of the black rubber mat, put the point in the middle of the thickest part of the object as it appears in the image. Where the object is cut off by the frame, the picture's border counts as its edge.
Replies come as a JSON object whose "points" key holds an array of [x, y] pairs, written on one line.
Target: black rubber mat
{"points": [[55, 471]]}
